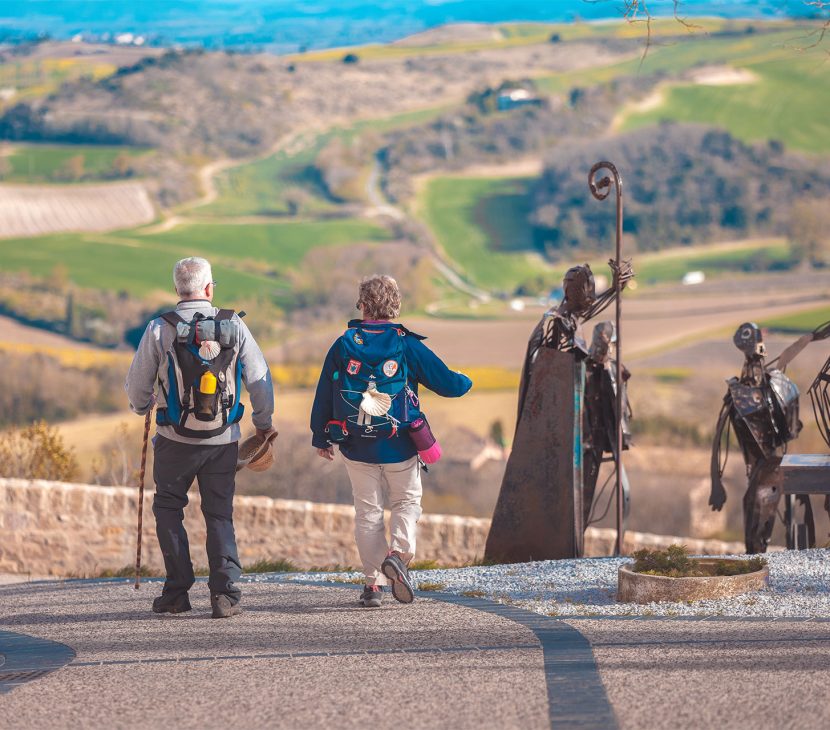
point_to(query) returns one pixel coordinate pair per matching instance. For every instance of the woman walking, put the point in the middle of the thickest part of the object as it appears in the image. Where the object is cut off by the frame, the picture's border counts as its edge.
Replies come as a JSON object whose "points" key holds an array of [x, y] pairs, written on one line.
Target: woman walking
{"points": [[367, 404]]}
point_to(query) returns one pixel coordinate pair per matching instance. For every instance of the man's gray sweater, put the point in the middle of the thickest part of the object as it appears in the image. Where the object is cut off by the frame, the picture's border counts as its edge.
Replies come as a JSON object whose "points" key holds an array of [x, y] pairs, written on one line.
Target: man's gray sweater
{"points": [[149, 366]]}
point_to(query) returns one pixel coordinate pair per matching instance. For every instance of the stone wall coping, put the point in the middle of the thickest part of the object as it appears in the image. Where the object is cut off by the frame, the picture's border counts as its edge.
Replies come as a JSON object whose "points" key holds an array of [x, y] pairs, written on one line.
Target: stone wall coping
{"points": [[599, 534]]}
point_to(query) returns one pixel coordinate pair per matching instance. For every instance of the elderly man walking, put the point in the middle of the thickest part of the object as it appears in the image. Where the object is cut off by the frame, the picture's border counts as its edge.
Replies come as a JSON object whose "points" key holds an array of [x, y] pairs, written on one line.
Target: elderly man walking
{"points": [[199, 356]]}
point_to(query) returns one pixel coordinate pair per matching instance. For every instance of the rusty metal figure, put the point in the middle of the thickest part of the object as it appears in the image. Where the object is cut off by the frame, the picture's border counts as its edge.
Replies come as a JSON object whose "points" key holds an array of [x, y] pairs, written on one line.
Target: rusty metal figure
{"points": [[540, 513], [600, 423], [559, 327], [761, 407], [559, 330]]}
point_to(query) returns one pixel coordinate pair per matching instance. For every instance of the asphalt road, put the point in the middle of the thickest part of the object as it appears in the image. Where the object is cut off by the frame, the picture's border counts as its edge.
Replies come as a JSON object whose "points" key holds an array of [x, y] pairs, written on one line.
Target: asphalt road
{"points": [[303, 656]]}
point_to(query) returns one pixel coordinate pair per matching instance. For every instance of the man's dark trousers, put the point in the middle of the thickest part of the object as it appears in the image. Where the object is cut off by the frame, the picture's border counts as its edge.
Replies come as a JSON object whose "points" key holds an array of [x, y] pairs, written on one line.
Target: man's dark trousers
{"points": [[174, 468]]}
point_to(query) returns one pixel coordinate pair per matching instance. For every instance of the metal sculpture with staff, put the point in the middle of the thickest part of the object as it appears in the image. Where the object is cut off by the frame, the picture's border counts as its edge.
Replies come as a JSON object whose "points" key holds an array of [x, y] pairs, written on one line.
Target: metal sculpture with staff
{"points": [[543, 504], [600, 189]]}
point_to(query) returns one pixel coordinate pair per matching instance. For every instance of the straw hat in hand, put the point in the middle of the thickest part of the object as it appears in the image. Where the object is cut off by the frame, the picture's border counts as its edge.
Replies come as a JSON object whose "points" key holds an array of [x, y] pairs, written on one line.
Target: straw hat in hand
{"points": [[257, 451]]}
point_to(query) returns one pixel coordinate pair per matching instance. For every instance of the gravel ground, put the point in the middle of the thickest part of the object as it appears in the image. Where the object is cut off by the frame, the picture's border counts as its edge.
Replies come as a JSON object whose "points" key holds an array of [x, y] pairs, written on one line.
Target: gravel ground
{"points": [[799, 587]]}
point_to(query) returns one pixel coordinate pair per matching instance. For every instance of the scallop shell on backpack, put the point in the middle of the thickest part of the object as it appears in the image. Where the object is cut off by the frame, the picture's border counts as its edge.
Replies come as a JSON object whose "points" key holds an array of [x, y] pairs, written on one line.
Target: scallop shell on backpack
{"points": [[375, 403], [209, 349]]}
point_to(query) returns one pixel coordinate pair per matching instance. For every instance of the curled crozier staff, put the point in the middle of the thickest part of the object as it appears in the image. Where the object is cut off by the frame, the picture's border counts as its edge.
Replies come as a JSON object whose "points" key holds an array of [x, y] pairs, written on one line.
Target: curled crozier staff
{"points": [[600, 189]]}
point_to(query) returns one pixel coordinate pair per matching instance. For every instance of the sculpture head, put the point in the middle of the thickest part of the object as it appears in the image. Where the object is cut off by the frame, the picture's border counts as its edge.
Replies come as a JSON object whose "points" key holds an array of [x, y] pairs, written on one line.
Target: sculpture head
{"points": [[580, 290], [750, 341], [604, 335]]}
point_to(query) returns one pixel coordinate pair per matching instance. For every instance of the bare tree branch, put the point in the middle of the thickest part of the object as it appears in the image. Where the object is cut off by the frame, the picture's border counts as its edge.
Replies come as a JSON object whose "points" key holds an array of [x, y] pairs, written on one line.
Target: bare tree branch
{"points": [[821, 33], [637, 11]]}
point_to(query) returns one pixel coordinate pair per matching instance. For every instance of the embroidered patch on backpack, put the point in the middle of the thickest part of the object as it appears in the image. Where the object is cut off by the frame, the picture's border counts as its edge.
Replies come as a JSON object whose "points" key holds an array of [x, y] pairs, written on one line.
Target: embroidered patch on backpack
{"points": [[390, 367], [353, 368]]}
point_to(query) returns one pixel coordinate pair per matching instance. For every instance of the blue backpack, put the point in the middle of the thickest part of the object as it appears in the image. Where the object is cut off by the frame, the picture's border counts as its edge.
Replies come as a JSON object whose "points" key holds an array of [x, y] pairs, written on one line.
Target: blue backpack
{"points": [[372, 379]]}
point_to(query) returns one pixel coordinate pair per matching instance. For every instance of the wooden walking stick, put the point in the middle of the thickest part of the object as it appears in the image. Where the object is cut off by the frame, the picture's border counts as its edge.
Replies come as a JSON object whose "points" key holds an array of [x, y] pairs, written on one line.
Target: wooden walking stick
{"points": [[141, 497]]}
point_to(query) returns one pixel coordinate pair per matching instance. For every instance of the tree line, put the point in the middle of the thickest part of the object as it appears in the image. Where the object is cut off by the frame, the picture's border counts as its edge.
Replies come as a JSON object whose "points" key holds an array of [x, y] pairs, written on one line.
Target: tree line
{"points": [[684, 184]]}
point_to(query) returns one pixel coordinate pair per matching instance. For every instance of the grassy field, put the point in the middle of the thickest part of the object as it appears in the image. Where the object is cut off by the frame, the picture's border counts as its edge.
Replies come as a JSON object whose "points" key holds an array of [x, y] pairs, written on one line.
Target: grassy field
{"points": [[788, 102], [481, 223], [248, 260], [694, 50], [38, 77], [799, 322], [275, 245], [511, 35], [45, 163], [260, 187], [672, 264]]}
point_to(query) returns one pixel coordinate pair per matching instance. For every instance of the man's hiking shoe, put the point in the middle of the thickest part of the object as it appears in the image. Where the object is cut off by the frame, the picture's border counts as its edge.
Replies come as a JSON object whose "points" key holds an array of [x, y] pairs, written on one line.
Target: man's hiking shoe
{"points": [[394, 569], [371, 596], [223, 607], [171, 604]]}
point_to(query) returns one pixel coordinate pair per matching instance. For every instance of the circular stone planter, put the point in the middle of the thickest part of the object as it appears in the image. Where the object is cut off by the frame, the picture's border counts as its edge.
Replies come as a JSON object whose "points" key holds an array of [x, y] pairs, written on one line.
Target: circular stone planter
{"points": [[642, 588]]}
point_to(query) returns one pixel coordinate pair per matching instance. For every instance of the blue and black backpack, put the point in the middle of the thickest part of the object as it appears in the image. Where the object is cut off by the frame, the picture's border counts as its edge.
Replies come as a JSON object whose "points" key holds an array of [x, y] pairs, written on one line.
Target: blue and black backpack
{"points": [[372, 397], [204, 375]]}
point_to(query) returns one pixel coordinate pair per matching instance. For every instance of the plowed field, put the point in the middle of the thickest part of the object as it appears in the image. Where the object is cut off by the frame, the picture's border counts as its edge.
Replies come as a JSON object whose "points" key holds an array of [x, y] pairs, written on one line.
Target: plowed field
{"points": [[34, 210]]}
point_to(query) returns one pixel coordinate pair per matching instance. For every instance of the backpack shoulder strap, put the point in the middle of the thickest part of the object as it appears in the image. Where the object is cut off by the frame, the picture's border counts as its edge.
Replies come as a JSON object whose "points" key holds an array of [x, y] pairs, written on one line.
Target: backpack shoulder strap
{"points": [[410, 333], [173, 318], [224, 314]]}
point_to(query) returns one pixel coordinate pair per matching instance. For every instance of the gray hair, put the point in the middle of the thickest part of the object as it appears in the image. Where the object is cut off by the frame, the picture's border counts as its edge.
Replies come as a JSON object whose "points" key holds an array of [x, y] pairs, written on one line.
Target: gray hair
{"points": [[191, 275]]}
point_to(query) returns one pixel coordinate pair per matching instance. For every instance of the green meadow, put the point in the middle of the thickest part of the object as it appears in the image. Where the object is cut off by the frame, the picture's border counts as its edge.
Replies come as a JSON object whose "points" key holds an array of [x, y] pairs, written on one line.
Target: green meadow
{"points": [[512, 35], [671, 265], [788, 101], [42, 76], [249, 260], [481, 223], [799, 322], [261, 187], [44, 163]]}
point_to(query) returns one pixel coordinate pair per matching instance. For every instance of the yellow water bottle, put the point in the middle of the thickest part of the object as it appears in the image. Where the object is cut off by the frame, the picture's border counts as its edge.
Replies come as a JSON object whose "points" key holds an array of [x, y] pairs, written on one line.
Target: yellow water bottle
{"points": [[205, 397], [207, 384]]}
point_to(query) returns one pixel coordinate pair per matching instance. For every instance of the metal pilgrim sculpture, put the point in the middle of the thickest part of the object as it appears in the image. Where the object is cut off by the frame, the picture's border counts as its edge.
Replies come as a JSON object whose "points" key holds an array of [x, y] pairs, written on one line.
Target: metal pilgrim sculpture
{"points": [[761, 407], [600, 423], [570, 414]]}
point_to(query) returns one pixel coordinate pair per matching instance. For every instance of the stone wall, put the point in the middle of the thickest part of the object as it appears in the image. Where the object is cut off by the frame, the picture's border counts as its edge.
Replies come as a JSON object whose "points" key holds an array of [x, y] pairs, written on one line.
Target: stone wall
{"points": [[55, 528]]}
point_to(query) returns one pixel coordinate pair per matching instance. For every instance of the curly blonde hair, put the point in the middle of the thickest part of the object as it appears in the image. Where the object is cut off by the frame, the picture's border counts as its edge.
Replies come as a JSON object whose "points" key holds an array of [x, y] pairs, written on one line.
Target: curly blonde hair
{"points": [[379, 297]]}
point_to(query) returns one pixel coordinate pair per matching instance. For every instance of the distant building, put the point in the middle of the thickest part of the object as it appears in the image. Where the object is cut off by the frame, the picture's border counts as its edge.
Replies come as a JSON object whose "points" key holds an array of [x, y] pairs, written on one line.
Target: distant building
{"points": [[515, 98]]}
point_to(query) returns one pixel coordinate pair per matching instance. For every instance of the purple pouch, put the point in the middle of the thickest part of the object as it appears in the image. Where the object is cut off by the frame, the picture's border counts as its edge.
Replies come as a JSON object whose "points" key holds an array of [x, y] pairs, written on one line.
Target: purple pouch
{"points": [[428, 448]]}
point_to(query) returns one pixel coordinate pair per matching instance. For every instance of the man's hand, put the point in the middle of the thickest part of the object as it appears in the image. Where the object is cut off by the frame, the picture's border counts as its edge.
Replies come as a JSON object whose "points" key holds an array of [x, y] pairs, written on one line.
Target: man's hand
{"points": [[266, 434], [327, 453]]}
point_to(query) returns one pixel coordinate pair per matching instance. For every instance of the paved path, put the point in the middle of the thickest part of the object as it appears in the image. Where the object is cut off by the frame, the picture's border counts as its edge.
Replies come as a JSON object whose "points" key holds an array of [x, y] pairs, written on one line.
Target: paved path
{"points": [[306, 655], [714, 672], [298, 656]]}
